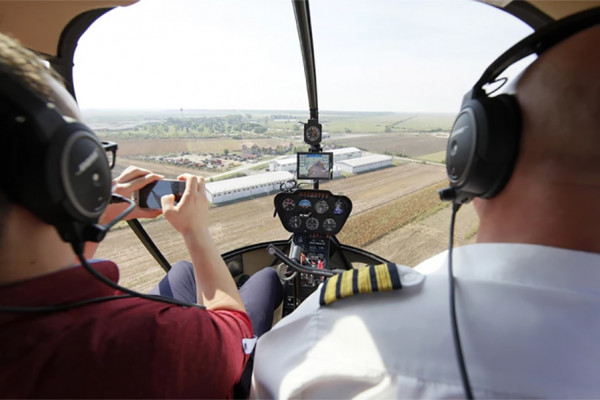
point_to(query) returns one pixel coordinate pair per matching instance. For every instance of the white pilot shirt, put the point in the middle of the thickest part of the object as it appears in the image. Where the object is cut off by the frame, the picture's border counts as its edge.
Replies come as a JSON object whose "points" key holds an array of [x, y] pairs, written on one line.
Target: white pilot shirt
{"points": [[529, 321]]}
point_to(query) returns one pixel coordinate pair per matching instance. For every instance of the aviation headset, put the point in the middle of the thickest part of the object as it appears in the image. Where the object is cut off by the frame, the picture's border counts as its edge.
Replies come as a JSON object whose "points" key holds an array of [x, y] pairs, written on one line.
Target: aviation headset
{"points": [[484, 142], [56, 169], [483, 145], [59, 171]]}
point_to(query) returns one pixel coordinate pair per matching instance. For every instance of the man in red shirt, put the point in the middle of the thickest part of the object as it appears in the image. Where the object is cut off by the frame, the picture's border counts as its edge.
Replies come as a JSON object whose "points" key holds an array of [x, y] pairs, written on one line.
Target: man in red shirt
{"points": [[64, 332]]}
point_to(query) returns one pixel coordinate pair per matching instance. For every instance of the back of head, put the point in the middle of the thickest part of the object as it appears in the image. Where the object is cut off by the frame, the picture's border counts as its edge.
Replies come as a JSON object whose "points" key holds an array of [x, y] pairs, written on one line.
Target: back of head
{"points": [[554, 189], [22, 64], [559, 96], [54, 167]]}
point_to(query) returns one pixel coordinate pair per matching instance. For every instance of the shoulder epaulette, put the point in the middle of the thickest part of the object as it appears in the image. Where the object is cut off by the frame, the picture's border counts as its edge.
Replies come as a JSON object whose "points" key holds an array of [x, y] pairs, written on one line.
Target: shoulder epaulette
{"points": [[372, 278]]}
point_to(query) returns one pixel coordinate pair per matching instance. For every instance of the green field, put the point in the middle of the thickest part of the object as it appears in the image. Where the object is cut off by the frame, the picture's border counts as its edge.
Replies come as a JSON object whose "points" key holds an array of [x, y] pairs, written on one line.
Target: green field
{"points": [[439, 156], [386, 122]]}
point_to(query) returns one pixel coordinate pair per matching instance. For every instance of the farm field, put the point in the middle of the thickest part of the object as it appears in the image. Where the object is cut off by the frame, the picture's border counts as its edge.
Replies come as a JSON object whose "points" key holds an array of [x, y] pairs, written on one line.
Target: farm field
{"points": [[235, 225], [375, 122], [409, 144]]}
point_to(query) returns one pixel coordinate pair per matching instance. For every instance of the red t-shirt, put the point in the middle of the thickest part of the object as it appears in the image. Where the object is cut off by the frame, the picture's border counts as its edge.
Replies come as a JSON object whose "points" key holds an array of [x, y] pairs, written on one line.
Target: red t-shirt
{"points": [[126, 348]]}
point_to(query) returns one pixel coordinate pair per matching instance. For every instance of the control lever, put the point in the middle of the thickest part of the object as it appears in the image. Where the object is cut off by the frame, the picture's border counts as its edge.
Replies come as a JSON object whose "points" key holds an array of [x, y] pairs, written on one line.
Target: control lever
{"points": [[295, 251], [274, 251]]}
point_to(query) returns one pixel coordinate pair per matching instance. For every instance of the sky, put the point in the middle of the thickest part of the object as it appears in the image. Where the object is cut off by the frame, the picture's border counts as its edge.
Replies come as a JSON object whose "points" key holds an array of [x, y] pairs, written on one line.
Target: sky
{"points": [[371, 55]]}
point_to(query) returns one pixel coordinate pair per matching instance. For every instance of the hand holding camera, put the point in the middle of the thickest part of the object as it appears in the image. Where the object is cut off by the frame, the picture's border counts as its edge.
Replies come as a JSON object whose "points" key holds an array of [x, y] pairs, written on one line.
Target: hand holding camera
{"points": [[190, 214], [131, 180]]}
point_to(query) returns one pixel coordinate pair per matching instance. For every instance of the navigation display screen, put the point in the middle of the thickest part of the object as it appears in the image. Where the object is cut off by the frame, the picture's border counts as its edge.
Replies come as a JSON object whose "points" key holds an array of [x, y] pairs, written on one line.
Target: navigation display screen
{"points": [[315, 165]]}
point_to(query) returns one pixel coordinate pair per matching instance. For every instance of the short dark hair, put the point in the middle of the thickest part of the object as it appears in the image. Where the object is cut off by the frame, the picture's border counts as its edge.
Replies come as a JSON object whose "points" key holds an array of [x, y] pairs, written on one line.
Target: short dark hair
{"points": [[27, 67]]}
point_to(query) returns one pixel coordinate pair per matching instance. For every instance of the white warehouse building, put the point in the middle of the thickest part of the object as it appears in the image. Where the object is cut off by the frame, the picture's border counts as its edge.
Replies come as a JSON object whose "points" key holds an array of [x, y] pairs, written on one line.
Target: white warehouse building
{"points": [[362, 164], [283, 164], [289, 164], [346, 153], [239, 188]]}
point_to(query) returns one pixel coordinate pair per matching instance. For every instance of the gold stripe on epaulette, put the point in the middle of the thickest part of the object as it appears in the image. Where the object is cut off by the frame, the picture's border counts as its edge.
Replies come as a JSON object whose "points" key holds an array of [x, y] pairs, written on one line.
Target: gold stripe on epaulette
{"points": [[364, 279], [328, 290], [372, 278], [384, 282], [346, 279]]}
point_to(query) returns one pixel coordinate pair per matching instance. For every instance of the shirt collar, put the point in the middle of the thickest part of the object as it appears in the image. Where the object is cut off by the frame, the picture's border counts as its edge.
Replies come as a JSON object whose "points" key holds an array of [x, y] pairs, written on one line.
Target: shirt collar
{"points": [[522, 264]]}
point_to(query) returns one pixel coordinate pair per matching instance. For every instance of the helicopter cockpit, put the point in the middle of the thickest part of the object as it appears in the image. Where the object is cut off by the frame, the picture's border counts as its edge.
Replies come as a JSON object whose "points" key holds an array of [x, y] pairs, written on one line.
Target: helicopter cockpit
{"points": [[309, 180], [338, 218], [329, 212]]}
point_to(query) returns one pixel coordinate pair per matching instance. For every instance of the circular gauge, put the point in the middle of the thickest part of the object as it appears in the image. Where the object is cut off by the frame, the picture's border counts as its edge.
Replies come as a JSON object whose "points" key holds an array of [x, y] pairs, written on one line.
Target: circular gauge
{"points": [[294, 222], [339, 207], [321, 206], [313, 133], [329, 224], [288, 204], [312, 223], [304, 203]]}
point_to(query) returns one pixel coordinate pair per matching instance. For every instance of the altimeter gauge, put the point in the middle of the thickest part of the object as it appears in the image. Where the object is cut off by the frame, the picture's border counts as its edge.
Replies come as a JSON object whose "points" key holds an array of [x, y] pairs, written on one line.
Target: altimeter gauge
{"points": [[321, 206]]}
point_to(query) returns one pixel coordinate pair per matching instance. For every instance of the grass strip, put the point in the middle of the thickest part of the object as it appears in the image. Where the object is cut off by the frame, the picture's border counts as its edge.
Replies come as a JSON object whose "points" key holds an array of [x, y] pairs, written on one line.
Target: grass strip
{"points": [[371, 225]]}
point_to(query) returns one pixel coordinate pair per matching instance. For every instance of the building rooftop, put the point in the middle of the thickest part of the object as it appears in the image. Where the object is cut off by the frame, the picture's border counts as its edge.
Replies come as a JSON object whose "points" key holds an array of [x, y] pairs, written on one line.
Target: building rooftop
{"points": [[247, 181], [345, 150], [286, 161], [356, 162]]}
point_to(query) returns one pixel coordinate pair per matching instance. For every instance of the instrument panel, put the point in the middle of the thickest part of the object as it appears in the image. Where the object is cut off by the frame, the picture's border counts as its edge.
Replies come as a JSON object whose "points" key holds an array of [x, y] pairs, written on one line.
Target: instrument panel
{"points": [[312, 211]]}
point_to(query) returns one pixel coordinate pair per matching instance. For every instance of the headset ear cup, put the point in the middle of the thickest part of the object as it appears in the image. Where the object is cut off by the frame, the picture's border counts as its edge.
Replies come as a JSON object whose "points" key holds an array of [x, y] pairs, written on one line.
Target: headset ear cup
{"points": [[78, 174], [483, 146], [67, 180], [504, 135]]}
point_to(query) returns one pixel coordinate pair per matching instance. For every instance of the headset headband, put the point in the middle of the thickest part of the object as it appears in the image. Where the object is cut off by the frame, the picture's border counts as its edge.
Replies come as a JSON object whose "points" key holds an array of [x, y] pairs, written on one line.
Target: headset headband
{"points": [[43, 114], [538, 42], [484, 141]]}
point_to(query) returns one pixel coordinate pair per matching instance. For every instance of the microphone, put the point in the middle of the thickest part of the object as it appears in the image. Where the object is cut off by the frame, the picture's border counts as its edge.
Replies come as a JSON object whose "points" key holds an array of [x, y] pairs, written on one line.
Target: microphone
{"points": [[447, 194], [96, 232]]}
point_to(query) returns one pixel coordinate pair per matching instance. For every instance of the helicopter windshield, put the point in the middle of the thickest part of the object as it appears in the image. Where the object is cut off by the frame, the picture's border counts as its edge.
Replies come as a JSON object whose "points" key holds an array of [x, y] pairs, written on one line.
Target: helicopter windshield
{"points": [[218, 89]]}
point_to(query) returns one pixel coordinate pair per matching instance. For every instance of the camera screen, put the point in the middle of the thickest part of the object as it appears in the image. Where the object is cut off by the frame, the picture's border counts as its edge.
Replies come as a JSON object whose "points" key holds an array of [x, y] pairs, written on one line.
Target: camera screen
{"points": [[315, 165]]}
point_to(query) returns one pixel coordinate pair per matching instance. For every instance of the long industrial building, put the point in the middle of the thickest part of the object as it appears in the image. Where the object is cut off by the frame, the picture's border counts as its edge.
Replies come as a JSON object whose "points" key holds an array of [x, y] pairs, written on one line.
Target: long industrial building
{"points": [[289, 163], [363, 164], [238, 188], [346, 153]]}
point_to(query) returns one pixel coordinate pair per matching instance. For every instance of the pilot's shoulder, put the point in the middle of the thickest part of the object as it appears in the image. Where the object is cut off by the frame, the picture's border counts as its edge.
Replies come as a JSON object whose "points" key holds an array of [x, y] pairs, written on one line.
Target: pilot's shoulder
{"points": [[372, 278]]}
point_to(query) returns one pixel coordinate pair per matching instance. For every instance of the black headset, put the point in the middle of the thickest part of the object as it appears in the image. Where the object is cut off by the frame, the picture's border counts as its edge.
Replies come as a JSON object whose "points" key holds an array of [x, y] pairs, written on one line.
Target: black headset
{"points": [[59, 171], [484, 142], [56, 169], [483, 145]]}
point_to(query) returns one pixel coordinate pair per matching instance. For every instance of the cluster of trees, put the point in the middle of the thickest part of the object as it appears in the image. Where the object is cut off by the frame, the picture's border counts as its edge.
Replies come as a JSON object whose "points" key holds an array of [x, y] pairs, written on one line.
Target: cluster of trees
{"points": [[233, 124]]}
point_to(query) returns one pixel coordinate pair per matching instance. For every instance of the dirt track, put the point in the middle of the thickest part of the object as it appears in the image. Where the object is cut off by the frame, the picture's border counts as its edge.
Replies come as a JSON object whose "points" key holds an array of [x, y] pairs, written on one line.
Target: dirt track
{"points": [[243, 223]]}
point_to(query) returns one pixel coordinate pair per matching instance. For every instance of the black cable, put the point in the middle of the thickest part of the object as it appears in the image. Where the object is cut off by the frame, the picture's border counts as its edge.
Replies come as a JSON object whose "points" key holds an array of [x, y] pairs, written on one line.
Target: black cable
{"points": [[288, 186], [128, 294], [61, 307], [77, 247], [455, 334]]}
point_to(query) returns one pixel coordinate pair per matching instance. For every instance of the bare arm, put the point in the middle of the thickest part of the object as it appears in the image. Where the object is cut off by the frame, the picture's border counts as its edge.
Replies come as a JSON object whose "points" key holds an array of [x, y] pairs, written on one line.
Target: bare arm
{"points": [[214, 283]]}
